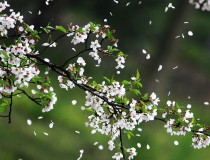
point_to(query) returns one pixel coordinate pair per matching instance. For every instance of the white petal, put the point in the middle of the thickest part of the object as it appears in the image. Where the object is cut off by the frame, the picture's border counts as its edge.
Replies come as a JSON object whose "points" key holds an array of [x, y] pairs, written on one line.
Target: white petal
{"points": [[29, 122], [206, 103], [190, 33], [45, 133], [160, 68], [144, 51], [148, 56], [176, 143], [74, 102]]}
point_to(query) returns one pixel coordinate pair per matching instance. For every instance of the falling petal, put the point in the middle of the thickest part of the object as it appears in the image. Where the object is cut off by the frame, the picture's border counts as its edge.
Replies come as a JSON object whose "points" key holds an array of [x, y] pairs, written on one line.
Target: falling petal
{"points": [[116, 1], [150, 23], [206, 103], [138, 145], [100, 147], [176, 143], [175, 67], [182, 35], [160, 68], [189, 106], [144, 51], [148, 56], [51, 124], [169, 93], [45, 133], [95, 143], [74, 102], [190, 33], [29, 122]]}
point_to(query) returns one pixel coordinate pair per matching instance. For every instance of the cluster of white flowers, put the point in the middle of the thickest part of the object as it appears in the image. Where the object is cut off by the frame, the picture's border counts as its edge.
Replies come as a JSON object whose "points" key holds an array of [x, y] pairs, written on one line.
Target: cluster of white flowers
{"points": [[203, 4], [200, 141], [17, 70], [8, 21], [116, 118], [184, 122], [66, 84], [132, 153], [174, 126], [81, 34], [117, 156], [120, 61]]}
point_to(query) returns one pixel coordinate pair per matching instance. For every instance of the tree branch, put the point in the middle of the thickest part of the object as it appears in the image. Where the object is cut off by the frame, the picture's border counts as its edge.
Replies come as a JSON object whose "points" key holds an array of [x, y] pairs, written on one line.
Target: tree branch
{"points": [[121, 144], [10, 108], [68, 60]]}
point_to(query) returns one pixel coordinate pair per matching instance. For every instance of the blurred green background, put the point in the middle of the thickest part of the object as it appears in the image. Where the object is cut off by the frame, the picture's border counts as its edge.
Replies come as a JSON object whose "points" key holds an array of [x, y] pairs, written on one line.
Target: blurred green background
{"points": [[191, 78]]}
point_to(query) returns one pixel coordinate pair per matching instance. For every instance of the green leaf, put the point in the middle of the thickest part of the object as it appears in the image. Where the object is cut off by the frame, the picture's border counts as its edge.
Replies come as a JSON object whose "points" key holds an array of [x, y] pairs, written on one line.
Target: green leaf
{"points": [[46, 30], [3, 106], [135, 91], [129, 134], [5, 54], [125, 82], [49, 27], [125, 100], [107, 79], [110, 49], [121, 53], [137, 75], [95, 84], [109, 34], [60, 28], [145, 97], [80, 30], [138, 84], [193, 119], [89, 109]]}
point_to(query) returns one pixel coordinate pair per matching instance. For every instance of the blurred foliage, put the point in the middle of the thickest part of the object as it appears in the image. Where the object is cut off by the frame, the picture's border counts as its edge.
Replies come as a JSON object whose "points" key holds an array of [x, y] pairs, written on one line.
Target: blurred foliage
{"points": [[191, 78]]}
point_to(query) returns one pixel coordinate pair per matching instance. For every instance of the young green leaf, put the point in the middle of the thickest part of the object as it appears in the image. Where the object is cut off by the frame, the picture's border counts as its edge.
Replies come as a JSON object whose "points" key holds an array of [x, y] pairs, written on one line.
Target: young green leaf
{"points": [[60, 28], [137, 75]]}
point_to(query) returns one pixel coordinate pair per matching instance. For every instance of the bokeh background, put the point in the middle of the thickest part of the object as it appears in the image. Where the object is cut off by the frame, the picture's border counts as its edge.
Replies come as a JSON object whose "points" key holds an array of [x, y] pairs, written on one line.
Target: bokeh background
{"points": [[190, 79]]}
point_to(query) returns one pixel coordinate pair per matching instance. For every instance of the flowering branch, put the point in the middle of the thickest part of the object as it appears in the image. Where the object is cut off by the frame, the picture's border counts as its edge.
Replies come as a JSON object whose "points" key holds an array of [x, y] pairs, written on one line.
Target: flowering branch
{"points": [[115, 107]]}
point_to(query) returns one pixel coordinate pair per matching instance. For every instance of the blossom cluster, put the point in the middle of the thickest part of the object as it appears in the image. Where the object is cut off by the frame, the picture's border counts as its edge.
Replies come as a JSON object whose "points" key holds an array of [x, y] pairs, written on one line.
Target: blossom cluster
{"points": [[117, 112], [17, 70], [201, 4], [183, 122]]}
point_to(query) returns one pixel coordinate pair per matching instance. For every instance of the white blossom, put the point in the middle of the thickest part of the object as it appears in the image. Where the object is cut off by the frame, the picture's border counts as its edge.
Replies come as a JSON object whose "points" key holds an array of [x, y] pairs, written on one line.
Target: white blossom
{"points": [[117, 156]]}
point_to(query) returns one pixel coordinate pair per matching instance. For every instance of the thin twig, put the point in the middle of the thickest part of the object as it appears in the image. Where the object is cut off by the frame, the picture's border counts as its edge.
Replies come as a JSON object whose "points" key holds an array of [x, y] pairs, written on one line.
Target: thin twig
{"points": [[10, 108], [121, 144], [58, 38], [86, 41], [68, 60], [31, 98]]}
